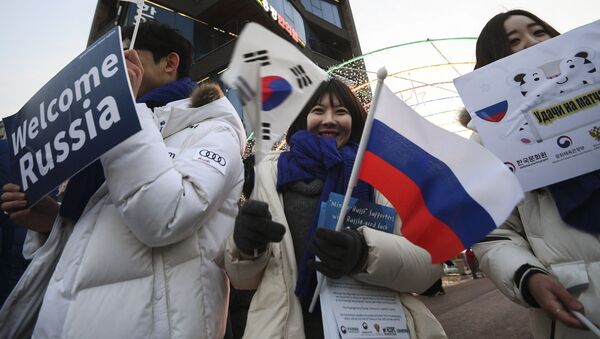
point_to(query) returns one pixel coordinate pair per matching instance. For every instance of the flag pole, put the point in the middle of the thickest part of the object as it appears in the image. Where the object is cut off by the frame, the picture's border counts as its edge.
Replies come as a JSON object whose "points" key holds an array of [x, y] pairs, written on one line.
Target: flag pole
{"points": [[138, 19], [258, 135], [362, 146]]}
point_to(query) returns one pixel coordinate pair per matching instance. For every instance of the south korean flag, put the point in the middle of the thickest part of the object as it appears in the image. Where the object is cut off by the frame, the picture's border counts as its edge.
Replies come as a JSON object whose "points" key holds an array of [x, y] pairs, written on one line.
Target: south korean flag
{"points": [[275, 82]]}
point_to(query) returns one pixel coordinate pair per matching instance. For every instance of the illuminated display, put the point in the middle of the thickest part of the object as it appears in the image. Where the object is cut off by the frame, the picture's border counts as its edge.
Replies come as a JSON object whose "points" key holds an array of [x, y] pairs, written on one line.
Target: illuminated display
{"points": [[281, 21]]}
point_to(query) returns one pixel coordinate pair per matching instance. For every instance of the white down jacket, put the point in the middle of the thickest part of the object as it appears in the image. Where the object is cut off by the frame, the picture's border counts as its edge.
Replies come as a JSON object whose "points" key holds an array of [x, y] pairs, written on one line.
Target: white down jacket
{"points": [[144, 260], [536, 235]]}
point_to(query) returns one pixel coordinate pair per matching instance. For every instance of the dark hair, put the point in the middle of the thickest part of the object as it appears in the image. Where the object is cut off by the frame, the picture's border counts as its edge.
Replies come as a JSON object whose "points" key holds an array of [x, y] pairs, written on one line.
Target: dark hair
{"points": [[493, 44], [335, 88], [463, 117], [160, 40]]}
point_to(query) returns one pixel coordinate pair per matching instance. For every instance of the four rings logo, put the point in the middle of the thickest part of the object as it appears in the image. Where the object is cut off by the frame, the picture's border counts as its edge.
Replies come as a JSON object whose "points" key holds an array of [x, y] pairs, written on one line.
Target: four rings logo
{"points": [[212, 156]]}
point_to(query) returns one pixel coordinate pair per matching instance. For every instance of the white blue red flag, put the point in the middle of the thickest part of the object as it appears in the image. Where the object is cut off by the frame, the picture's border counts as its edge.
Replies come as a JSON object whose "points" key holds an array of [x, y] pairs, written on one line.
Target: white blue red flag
{"points": [[449, 192], [275, 81]]}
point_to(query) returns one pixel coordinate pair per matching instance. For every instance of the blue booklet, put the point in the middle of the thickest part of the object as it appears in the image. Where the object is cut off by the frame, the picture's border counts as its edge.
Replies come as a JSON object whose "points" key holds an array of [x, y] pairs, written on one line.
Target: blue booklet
{"points": [[360, 213]]}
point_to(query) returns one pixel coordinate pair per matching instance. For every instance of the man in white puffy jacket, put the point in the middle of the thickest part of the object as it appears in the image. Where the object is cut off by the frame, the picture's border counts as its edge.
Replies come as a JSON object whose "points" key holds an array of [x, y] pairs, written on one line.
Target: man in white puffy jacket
{"points": [[143, 259]]}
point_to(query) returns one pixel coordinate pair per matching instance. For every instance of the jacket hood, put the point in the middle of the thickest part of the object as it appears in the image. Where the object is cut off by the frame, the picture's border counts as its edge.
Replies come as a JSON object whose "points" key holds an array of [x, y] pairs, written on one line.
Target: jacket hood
{"points": [[178, 115]]}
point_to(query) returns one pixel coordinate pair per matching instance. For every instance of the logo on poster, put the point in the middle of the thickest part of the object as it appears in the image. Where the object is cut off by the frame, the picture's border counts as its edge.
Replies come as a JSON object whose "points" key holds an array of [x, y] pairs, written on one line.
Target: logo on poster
{"points": [[595, 132], [564, 141], [510, 166], [390, 330]]}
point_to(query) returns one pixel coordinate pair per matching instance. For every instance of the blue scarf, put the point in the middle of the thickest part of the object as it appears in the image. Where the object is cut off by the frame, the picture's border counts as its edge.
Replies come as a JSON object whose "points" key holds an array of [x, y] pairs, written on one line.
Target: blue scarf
{"points": [[311, 157], [167, 93], [578, 201], [84, 184]]}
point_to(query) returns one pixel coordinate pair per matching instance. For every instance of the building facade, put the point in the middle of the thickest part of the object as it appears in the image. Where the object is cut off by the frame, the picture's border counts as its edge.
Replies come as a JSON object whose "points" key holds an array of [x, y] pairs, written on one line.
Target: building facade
{"points": [[322, 29]]}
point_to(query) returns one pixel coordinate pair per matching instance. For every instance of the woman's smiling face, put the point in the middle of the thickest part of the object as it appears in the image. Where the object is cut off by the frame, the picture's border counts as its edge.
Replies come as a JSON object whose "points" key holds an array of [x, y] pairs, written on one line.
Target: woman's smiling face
{"points": [[330, 119]]}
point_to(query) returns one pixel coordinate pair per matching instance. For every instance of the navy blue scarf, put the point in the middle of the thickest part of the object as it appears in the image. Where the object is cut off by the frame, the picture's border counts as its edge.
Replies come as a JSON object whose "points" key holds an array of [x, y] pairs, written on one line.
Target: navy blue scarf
{"points": [[84, 184], [311, 157], [578, 201]]}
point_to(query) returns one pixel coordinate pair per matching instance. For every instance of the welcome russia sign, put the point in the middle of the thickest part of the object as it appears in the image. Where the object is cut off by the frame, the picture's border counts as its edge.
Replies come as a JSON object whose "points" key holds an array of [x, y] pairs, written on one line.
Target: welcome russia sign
{"points": [[80, 114]]}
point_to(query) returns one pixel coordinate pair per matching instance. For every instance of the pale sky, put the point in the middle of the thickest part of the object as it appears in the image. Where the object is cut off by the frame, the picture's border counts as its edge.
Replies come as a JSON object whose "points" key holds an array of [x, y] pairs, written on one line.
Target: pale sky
{"points": [[39, 38]]}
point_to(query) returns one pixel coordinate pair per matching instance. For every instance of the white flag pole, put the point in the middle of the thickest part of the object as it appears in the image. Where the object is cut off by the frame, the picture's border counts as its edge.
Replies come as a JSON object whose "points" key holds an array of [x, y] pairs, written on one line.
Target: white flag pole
{"points": [[138, 19], [362, 146]]}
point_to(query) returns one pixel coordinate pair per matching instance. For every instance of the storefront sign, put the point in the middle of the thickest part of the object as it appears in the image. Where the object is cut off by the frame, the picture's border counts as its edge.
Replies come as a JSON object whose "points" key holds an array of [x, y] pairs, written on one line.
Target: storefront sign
{"points": [[281, 21]]}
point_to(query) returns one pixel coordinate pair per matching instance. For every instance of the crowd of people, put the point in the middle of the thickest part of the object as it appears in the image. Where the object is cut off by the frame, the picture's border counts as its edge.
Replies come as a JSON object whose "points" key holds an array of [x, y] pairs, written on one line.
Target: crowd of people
{"points": [[148, 239]]}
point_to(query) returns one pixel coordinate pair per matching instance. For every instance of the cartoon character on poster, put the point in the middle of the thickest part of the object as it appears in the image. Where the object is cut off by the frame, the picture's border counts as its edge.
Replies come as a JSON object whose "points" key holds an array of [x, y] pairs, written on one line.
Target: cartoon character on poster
{"points": [[538, 110], [561, 89]]}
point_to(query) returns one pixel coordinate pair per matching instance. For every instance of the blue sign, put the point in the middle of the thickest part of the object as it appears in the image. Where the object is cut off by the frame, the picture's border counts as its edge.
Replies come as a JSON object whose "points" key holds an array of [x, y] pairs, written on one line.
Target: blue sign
{"points": [[81, 113], [360, 213]]}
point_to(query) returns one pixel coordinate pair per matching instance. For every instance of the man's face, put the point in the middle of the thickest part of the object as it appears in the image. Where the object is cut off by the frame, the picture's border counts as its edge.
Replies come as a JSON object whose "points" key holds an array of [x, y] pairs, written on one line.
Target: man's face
{"points": [[154, 73]]}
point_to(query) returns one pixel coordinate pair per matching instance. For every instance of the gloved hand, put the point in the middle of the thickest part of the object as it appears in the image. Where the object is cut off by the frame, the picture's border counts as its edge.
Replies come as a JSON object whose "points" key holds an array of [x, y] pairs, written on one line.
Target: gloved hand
{"points": [[254, 228], [341, 253]]}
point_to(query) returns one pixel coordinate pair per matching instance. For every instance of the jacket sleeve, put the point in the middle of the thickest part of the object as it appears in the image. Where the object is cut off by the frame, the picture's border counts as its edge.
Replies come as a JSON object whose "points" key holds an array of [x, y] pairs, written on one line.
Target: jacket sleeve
{"points": [[502, 252], [396, 263], [244, 272], [164, 200]]}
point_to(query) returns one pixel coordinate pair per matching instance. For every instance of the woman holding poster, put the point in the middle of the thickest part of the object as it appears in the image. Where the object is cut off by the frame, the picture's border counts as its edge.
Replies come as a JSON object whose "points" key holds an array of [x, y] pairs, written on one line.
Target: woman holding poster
{"points": [[547, 254], [271, 249]]}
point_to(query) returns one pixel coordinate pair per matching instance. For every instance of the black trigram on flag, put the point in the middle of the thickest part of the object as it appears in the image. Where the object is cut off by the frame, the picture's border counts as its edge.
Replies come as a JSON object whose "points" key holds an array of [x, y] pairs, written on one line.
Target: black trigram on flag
{"points": [[245, 91], [301, 77], [258, 56], [266, 130]]}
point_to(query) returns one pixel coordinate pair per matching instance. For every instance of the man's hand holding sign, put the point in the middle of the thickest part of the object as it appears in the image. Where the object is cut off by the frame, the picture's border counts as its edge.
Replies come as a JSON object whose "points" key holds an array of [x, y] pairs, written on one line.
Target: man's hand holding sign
{"points": [[135, 70], [38, 217]]}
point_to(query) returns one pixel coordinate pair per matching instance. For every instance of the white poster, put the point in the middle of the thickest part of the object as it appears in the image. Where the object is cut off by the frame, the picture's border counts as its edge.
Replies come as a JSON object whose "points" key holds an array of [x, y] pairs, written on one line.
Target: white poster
{"points": [[539, 110], [354, 310]]}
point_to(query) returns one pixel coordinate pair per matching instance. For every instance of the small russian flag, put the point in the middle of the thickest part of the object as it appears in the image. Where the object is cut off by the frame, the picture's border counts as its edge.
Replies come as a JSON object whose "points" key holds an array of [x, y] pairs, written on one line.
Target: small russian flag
{"points": [[494, 113], [449, 192]]}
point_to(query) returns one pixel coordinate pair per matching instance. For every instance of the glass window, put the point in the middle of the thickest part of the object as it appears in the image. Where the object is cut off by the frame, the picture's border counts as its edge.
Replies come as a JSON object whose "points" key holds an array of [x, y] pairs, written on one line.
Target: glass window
{"points": [[325, 10], [291, 15], [204, 38]]}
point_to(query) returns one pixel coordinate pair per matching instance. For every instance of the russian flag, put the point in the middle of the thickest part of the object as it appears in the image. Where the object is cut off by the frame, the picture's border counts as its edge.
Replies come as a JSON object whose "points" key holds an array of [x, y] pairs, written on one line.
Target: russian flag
{"points": [[494, 113], [449, 192]]}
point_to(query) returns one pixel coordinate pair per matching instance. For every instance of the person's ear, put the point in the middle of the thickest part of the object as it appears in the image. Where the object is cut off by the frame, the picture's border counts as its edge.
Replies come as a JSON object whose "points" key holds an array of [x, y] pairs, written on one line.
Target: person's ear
{"points": [[172, 63]]}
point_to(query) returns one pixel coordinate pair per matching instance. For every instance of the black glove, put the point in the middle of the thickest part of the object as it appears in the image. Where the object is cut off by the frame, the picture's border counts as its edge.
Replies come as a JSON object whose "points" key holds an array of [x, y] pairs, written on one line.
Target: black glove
{"points": [[341, 253], [254, 228]]}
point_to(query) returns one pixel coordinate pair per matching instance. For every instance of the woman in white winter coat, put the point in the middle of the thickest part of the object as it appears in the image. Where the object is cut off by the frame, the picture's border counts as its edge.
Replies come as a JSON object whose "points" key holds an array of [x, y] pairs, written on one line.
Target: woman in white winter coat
{"points": [[546, 256], [271, 249]]}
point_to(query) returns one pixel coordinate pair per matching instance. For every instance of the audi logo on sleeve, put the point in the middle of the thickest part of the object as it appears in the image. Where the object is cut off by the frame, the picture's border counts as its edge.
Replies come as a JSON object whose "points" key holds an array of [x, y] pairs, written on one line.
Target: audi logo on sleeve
{"points": [[212, 156]]}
